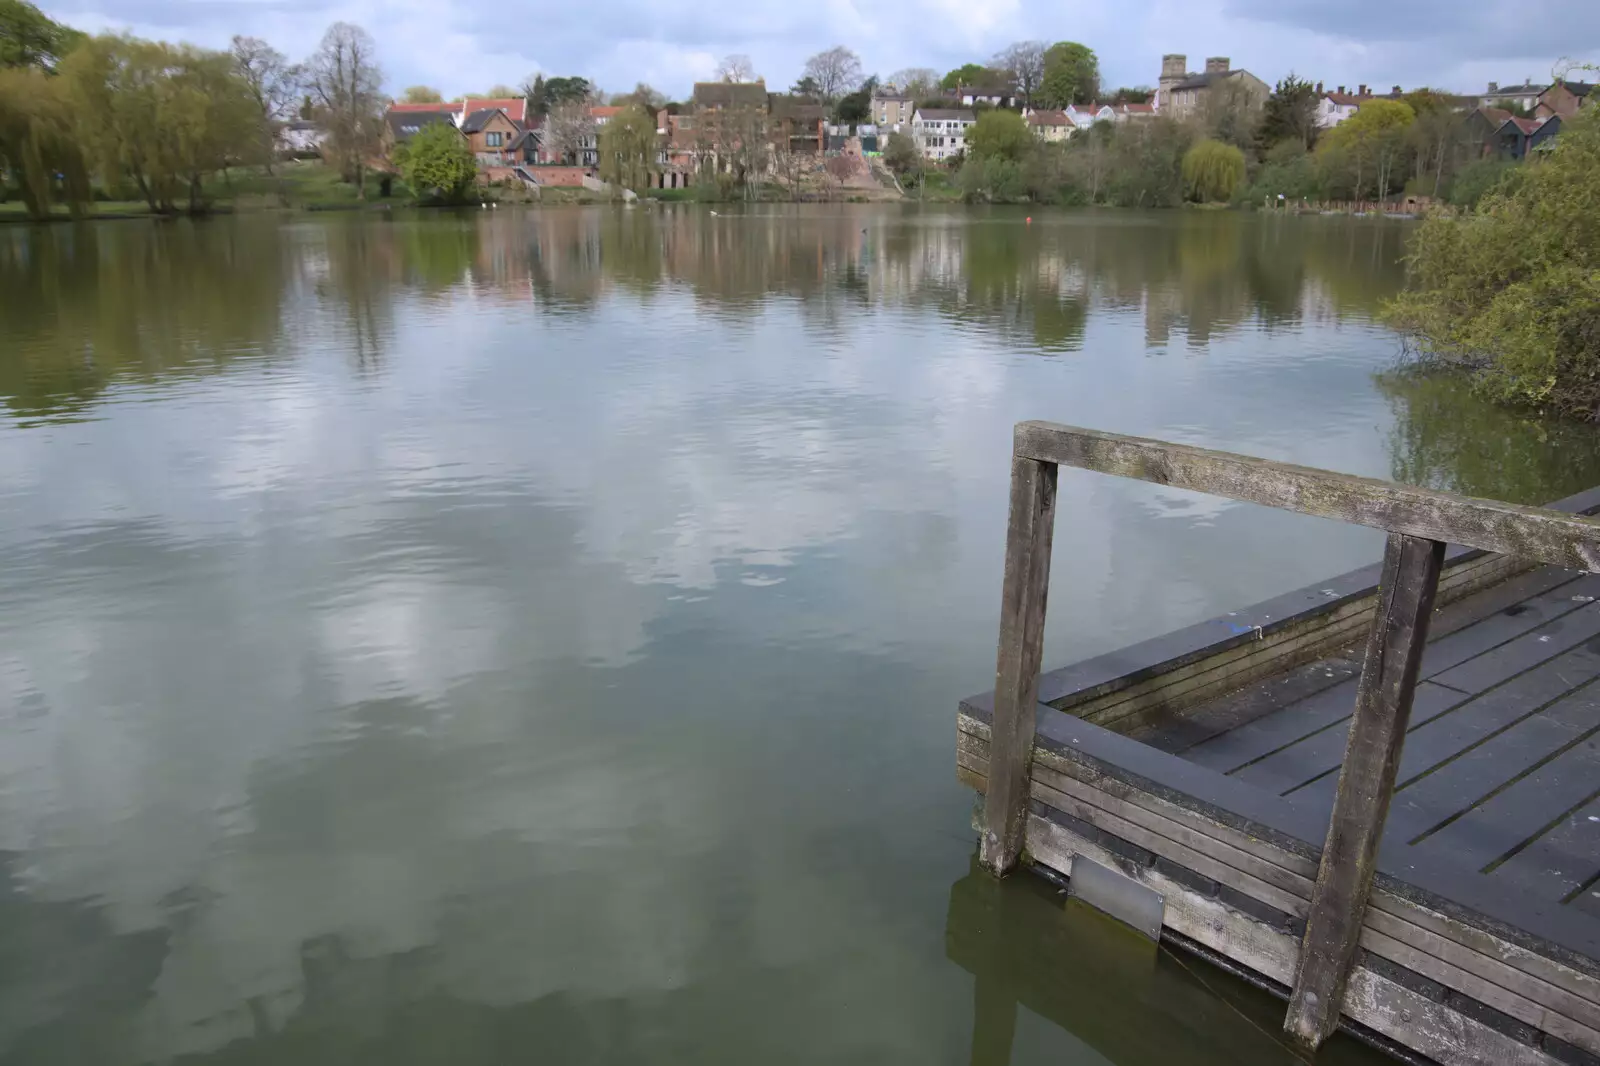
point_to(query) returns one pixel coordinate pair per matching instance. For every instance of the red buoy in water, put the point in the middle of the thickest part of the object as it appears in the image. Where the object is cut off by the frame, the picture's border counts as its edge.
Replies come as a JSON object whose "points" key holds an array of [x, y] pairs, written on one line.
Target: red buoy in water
{"points": [[1030, 218]]}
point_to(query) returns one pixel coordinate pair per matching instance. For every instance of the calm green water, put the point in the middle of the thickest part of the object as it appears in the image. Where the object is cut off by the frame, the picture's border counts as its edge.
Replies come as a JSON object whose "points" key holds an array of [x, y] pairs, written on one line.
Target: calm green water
{"points": [[535, 637]]}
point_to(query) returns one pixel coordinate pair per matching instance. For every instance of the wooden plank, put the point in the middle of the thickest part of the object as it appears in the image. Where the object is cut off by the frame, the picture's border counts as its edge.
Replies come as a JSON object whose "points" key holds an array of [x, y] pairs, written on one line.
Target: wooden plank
{"points": [[1307, 759], [1278, 730], [1559, 862], [1433, 738], [1495, 719], [1534, 532], [1514, 618], [1383, 707], [1524, 653], [1510, 818], [1427, 802], [1179, 733], [1466, 906], [1022, 612], [1527, 986], [1401, 1014]]}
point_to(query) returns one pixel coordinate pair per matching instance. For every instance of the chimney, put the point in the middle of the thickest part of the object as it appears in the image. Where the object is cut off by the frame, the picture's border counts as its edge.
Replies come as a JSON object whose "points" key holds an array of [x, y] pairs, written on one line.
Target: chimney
{"points": [[1217, 65], [1362, 91], [1397, 90], [1341, 90], [1494, 86], [1319, 88], [1174, 66]]}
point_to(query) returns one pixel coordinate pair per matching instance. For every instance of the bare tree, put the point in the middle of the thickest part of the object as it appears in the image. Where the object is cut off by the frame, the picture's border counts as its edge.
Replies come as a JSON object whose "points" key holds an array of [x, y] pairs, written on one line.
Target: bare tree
{"points": [[916, 82], [273, 85], [568, 130], [1023, 63], [834, 72], [736, 68], [343, 80]]}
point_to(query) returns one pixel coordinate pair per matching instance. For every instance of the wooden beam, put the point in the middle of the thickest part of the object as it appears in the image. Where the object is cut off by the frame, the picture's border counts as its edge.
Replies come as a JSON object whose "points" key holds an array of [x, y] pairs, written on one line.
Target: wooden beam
{"points": [[1530, 532], [1016, 687], [1366, 785]]}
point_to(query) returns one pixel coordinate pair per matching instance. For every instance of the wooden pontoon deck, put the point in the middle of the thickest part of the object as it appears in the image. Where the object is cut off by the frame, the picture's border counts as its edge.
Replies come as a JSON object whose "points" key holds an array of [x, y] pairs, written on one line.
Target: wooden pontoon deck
{"points": [[1197, 773]]}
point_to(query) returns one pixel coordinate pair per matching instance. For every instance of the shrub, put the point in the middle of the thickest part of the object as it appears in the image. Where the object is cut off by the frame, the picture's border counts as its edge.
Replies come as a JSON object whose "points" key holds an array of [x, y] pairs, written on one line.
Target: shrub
{"points": [[437, 162], [1513, 289], [1479, 178]]}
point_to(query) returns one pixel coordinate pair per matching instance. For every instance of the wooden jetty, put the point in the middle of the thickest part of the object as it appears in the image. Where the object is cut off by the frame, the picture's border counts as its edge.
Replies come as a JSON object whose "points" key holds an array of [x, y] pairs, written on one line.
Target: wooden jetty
{"points": [[1378, 796]]}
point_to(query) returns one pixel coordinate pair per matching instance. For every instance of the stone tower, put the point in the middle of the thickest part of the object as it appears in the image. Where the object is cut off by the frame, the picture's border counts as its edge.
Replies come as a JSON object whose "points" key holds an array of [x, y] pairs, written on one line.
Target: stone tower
{"points": [[1174, 68]]}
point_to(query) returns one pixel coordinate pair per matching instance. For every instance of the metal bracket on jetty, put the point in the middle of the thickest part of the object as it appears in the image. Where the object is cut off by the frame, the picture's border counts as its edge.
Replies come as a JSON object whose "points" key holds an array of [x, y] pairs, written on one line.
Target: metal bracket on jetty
{"points": [[1379, 796]]}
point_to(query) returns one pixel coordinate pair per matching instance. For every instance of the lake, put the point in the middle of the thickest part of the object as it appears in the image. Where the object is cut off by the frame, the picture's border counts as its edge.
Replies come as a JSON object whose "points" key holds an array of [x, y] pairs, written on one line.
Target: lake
{"points": [[536, 635]]}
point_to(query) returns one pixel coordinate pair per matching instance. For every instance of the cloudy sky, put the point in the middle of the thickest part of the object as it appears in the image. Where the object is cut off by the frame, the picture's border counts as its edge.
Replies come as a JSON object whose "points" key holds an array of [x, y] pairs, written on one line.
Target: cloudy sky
{"points": [[459, 47]]}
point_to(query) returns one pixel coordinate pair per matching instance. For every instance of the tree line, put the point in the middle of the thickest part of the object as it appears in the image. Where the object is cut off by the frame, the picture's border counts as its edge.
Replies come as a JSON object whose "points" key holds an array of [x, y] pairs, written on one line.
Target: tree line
{"points": [[1236, 148]]}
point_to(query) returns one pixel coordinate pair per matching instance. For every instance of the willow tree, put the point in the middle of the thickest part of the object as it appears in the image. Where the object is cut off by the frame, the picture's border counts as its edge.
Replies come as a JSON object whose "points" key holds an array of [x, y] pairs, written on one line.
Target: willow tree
{"points": [[37, 141], [1212, 171], [628, 148], [160, 117]]}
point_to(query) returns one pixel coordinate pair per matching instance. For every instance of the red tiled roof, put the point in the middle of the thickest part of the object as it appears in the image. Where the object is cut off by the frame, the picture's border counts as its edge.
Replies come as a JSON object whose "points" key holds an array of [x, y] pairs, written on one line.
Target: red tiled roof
{"points": [[515, 107], [1346, 99], [1526, 125], [1497, 115], [603, 112], [1049, 118]]}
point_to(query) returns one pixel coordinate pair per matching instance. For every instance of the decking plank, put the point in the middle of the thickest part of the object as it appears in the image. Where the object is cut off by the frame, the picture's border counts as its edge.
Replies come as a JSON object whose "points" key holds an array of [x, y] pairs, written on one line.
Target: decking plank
{"points": [[1561, 861], [1521, 608], [1182, 732], [1305, 760], [1459, 785], [1441, 737], [1538, 645], [1491, 635], [1517, 814]]}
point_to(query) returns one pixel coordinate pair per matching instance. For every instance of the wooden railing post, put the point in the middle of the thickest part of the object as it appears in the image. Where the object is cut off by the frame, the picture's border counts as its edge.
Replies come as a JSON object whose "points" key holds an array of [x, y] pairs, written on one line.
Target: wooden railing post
{"points": [[1366, 784], [1016, 690]]}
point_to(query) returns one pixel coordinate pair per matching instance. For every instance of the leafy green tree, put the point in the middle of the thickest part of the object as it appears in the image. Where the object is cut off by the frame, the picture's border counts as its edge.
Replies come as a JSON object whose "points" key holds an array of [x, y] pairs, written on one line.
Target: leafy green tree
{"points": [[569, 90], [993, 179], [1362, 155], [1290, 114], [1000, 135], [537, 95], [1212, 171], [1513, 289], [30, 38], [437, 162], [900, 154], [1287, 172], [1071, 75], [627, 148], [421, 94], [969, 74]]}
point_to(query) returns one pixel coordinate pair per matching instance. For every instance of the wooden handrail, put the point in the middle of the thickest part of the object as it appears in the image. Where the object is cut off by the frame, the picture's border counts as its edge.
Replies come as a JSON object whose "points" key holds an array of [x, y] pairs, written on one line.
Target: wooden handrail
{"points": [[1419, 521], [1507, 528]]}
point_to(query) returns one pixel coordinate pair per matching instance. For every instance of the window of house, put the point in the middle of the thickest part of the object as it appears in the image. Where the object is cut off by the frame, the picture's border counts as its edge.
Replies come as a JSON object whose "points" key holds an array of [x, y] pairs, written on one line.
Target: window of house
{"points": [[493, 139]]}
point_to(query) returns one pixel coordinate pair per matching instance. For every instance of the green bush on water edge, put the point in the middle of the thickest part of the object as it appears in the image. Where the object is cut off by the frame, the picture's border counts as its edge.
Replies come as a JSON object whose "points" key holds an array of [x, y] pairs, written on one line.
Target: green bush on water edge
{"points": [[1511, 290]]}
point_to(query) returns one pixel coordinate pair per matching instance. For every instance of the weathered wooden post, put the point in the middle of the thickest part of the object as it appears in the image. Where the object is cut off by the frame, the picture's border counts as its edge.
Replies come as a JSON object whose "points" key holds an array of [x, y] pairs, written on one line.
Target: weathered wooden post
{"points": [[1016, 688], [1366, 784]]}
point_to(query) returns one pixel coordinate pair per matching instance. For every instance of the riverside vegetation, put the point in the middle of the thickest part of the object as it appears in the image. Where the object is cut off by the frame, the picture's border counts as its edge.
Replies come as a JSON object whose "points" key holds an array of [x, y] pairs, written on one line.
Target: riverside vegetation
{"points": [[1232, 151], [1511, 291]]}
